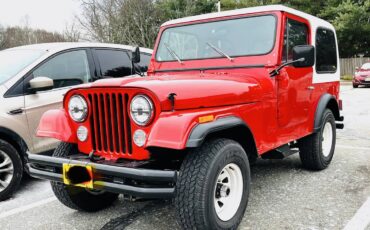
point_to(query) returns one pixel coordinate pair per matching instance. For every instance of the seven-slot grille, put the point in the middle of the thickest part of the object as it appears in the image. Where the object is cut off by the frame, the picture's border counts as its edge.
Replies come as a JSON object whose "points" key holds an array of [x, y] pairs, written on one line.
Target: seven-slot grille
{"points": [[110, 123]]}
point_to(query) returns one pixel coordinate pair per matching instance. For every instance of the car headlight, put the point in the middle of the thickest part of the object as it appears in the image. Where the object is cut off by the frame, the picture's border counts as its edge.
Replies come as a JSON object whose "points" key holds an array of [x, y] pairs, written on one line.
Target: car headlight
{"points": [[141, 109], [77, 108]]}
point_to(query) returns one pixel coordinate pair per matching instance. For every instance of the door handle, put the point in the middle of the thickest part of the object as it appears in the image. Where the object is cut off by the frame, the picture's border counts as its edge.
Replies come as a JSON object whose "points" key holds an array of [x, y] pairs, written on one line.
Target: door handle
{"points": [[16, 111], [311, 87]]}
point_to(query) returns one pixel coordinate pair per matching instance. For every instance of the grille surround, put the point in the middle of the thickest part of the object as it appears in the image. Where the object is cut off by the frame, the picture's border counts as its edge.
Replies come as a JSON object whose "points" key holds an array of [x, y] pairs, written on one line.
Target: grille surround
{"points": [[110, 123]]}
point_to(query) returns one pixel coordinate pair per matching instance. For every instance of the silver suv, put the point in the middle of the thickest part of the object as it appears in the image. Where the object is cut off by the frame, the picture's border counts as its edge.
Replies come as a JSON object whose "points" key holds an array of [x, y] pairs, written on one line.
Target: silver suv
{"points": [[33, 79]]}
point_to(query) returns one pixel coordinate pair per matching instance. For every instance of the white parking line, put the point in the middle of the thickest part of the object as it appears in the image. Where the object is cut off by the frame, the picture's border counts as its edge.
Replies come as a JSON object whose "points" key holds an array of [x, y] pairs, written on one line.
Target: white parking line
{"points": [[27, 207], [361, 219], [352, 147]]}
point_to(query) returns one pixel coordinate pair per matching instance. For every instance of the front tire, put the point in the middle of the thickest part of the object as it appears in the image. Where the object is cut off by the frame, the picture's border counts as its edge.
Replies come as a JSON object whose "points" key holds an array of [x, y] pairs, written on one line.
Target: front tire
{"points": [[213, 186], [78, 198], [355, 86], [316, 150], [11, 170]]}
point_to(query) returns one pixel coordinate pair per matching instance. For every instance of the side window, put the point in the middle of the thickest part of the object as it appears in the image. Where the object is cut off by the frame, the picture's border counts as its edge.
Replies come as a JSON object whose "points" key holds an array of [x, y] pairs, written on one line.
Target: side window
{"points": [[144, 62], [296, 33], [326, 51], [114, 63], [66, 69]]}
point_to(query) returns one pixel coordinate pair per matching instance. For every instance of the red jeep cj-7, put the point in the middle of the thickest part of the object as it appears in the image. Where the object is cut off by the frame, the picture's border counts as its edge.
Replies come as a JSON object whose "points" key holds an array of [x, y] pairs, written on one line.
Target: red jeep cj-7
{"points": [[223, 89]]}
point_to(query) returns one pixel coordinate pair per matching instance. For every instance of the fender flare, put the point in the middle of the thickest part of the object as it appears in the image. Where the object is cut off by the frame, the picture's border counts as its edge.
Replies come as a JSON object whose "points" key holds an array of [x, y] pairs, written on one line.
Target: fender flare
{"points": [[200, 131], [14, 139], [326, 101]]}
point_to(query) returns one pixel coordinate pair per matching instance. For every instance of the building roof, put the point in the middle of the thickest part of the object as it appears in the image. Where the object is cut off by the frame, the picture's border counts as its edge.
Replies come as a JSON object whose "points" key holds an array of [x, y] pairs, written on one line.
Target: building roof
{"points": [[311, 18]]}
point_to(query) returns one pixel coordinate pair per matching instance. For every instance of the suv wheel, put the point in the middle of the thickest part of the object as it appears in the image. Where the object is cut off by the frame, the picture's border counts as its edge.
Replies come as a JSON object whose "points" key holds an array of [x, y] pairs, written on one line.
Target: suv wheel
{"points": [[316, 150], [11, 170], [213, 186], [76, 197]]}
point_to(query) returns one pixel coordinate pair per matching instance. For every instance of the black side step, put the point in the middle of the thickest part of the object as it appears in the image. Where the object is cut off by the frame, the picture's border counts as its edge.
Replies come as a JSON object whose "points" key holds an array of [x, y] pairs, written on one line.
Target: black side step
{"points": [[280, 153]]}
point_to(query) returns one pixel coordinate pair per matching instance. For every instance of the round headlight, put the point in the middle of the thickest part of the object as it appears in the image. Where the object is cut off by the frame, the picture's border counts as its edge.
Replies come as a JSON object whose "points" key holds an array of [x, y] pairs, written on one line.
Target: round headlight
{"points": [[77, 107], [141, 109]]}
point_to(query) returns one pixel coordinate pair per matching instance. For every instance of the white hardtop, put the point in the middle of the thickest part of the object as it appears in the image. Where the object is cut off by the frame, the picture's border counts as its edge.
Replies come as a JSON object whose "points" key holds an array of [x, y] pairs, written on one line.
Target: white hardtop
{"points": [[59, 46], [315, 21]]}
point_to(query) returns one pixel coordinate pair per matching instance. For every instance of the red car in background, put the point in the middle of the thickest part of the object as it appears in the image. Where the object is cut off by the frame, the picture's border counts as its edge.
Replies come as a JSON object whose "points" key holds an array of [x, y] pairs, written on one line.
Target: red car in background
{"points": [[362, 76]]}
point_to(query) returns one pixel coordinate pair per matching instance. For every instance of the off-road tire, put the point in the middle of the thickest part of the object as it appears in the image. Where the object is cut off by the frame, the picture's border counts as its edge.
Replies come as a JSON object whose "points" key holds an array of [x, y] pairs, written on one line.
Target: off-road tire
{"points": [[196, 181], [16, 160], [76, 197], [310, 147]]}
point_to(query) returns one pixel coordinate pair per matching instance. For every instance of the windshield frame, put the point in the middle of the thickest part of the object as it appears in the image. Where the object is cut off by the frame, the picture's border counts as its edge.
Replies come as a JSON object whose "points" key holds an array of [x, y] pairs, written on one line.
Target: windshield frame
{"points": [[219, 20]]}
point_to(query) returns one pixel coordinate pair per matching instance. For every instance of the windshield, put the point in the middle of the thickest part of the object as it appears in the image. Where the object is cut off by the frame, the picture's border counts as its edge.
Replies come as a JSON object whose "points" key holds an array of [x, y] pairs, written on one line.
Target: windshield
{"points": [[13, 61], [235, 37]]}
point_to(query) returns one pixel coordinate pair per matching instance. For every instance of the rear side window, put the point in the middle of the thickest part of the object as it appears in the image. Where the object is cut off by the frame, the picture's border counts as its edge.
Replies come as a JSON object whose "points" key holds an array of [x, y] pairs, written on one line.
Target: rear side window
{"points": [[114, 63], [296, 33], [144, 62], [326, 52]]}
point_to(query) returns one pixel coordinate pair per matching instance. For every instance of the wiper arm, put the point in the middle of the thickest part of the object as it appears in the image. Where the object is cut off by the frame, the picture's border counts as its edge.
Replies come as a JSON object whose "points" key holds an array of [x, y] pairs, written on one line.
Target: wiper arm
{"points": [[220, 51], [173, 54]]}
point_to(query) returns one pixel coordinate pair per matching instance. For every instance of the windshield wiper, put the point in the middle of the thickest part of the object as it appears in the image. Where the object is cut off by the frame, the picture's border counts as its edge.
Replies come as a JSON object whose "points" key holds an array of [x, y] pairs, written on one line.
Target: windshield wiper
{"points": [[173, 54], [220, 51]]}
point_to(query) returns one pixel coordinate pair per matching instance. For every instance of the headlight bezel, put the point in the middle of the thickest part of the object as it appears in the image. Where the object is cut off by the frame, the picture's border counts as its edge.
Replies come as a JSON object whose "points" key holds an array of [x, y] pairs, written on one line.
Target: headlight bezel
{"points": [[85, 108], [151, 107]]}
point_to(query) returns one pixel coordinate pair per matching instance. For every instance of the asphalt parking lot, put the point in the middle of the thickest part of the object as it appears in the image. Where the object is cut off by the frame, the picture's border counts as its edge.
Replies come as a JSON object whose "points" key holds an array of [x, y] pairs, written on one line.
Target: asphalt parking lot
{"points": [[283, 195]]}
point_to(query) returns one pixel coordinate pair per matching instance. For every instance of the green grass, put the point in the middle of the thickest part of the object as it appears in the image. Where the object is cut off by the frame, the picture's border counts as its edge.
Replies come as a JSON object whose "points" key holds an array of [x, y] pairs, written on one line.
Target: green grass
{"points": [[346, 77]]}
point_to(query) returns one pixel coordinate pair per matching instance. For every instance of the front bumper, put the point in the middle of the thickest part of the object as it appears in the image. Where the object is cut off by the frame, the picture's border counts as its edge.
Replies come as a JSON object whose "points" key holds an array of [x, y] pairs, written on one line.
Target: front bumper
{"points": [[138, 182]]}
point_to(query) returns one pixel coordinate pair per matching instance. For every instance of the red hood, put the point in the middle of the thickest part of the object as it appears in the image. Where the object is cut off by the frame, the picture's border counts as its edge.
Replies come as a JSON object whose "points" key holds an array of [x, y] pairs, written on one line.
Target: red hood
{"points": [[193, 91]]}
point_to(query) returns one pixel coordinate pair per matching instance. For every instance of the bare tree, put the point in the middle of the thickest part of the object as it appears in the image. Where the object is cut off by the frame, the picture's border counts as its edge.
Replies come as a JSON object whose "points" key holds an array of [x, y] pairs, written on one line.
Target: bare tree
{"points": [[134, 22], [72, 33]]}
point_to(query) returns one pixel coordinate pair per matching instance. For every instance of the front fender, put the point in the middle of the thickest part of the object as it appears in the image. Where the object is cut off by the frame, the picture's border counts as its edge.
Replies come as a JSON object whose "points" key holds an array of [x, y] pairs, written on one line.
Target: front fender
{"points": [[55, 124], [172, 129]]}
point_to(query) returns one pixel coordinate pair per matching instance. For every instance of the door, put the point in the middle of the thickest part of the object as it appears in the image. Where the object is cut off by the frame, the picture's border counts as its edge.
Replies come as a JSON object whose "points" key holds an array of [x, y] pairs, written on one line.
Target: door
{"points": [[67, 69], [294, 84]]}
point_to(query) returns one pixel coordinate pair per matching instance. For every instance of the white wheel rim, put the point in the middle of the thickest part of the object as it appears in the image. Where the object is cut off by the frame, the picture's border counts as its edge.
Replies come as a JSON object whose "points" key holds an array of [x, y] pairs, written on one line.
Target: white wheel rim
{"points": [[327, 139], [6, 170], [228, 192]]}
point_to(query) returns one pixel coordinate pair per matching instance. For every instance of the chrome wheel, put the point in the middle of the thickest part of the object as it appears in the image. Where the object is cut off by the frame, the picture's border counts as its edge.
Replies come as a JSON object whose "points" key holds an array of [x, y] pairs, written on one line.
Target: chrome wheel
{"points": [[228, 192], [6, 170], [327, 139]]}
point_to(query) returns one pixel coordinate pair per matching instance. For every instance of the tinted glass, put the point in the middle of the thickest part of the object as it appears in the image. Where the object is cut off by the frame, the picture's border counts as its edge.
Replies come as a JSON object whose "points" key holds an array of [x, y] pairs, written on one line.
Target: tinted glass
{"points": [[237, 37], [13, 61], [66, 69], [326, 52], [296, 33], [114, 63], [144, 62]]}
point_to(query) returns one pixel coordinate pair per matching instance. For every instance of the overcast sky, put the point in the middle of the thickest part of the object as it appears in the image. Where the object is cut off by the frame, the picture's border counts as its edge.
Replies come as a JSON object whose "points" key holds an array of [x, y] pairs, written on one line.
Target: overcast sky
{"points": [[52, 15]]}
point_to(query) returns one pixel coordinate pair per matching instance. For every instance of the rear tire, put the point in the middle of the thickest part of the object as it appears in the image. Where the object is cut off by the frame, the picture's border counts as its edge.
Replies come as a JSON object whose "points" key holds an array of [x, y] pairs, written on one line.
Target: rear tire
{"points": [[76, 197], [316, 150], [11, 170], [205, 199]]}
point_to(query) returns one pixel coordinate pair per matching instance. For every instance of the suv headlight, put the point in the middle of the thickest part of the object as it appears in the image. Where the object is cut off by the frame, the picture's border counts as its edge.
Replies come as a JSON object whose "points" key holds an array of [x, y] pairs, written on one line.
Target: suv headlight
{"points": [[141, 109], [77, 108]]}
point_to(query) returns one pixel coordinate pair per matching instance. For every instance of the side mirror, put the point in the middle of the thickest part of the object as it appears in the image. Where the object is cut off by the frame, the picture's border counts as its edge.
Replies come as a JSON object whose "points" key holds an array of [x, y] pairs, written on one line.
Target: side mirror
{"points": [[41, 84], [135, 55], [306, 53]]}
